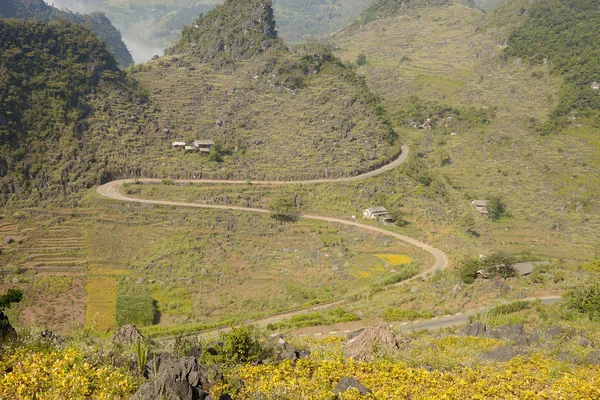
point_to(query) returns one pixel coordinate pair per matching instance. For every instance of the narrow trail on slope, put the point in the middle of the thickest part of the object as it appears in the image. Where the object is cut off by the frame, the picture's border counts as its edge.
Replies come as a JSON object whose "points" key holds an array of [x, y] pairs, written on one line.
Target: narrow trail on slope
{"points": [[440, 261]]}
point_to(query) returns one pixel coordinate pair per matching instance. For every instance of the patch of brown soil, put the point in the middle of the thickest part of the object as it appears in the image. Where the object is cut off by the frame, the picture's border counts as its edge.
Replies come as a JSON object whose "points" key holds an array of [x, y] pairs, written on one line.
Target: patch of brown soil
{"points": [[55, 312]]}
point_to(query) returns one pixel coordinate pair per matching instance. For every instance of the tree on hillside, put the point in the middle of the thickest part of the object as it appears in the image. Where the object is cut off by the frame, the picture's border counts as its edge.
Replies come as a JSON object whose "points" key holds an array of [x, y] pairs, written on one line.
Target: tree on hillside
{"points": [[216, 151], [11, 296], [398, 216], [495, 208], [282, 209], [498, 264], [361, 60], [469, 270], [468, 221]]}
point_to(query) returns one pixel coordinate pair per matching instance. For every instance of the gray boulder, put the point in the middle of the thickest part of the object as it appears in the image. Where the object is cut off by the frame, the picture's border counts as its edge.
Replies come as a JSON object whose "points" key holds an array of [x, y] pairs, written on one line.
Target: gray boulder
{"points": [[504, 353], [515, 333], [286, 351], [348, 383], [174, 379], [7, 332], [593, 357], [476, 329], [127, 334]]}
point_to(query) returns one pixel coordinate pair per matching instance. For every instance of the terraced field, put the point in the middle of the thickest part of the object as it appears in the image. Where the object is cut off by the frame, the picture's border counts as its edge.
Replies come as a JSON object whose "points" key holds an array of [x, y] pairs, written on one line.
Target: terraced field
{"points": [[48, 255]]}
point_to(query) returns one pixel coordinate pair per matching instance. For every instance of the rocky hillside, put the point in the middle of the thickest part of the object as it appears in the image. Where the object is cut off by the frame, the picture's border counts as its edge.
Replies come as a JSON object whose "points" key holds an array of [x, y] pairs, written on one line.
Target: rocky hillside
{"points": [[279, 114], [57, 80], [564, 35], [234, 31], [541, 162], [385, 8], [97, 22]]}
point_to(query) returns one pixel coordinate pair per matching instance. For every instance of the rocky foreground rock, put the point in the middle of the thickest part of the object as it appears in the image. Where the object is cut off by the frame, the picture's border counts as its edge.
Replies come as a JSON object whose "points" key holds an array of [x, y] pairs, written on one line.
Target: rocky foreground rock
{"points": [[174, 379], [7, 332]]}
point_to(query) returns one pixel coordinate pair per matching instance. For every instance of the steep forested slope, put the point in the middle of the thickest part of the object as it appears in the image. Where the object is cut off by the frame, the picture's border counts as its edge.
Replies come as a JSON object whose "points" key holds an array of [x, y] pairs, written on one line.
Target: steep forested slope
{"points": [[97, 22], [564, 34], [51, 75]]}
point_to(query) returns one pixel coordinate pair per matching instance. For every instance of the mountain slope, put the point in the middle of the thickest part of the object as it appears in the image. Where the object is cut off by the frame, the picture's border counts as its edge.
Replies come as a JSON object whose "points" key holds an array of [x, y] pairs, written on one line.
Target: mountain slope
{"points": [[279, 114], [440, 61], [156, 24], [565, 34], [52, 76], [234, 31], [97, 22]]}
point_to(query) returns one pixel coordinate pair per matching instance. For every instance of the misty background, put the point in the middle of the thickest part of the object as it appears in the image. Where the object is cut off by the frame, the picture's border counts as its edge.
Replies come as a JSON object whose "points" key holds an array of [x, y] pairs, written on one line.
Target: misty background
{"points": [[148, 27]]}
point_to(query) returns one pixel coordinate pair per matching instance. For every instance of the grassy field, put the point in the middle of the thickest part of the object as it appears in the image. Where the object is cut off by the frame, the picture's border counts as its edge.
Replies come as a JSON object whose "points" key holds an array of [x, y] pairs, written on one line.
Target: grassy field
{"points": [[191, 263]]}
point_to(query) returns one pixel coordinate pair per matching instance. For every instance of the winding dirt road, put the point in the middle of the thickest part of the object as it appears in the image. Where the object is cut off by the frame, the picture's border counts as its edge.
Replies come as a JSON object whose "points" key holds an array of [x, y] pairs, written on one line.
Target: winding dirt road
{"points": [[440, 261], [112, 191]]}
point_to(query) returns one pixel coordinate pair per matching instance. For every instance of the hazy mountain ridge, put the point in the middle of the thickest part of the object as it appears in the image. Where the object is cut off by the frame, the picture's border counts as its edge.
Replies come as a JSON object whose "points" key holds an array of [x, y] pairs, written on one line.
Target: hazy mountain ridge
{"points": [[97, 22]]}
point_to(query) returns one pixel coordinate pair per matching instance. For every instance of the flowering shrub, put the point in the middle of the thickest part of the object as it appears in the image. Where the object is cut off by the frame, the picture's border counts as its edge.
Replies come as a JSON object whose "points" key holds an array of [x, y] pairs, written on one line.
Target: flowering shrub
{"points": [[59, 374], [536, 377], [394, 259]]}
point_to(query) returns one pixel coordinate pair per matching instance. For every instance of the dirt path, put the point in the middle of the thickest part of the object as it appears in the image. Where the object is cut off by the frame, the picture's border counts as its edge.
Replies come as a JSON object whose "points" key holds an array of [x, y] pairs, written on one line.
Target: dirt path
{"points": [[428, 324], [440, 261]]}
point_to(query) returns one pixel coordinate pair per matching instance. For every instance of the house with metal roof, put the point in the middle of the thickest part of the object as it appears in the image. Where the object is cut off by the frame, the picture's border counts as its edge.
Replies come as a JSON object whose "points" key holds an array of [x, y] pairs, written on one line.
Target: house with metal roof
{"points": [[206, 143], [481, 206], [375, 212]]}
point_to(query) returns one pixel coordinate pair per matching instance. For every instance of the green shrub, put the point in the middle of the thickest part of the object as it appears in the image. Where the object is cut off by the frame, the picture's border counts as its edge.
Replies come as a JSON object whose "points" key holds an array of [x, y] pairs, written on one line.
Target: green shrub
{"points": [[282, 208], [585, 300], [469, 270], [496, 208], [510, 308], [331, 317], [241, 345], [11, 296], [137, 310], [361, 60], [407, 272]]}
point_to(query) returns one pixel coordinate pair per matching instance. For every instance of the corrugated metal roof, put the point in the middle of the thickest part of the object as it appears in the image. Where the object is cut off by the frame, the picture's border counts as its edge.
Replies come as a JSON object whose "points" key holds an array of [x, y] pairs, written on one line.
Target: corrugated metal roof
{"points": [[203, 143], [525, 268], [377, 210]]}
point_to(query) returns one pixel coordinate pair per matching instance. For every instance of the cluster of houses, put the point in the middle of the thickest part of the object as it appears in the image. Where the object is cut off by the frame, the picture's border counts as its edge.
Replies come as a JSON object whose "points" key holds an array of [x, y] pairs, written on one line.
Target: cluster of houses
{"points": [[198, 146]]}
